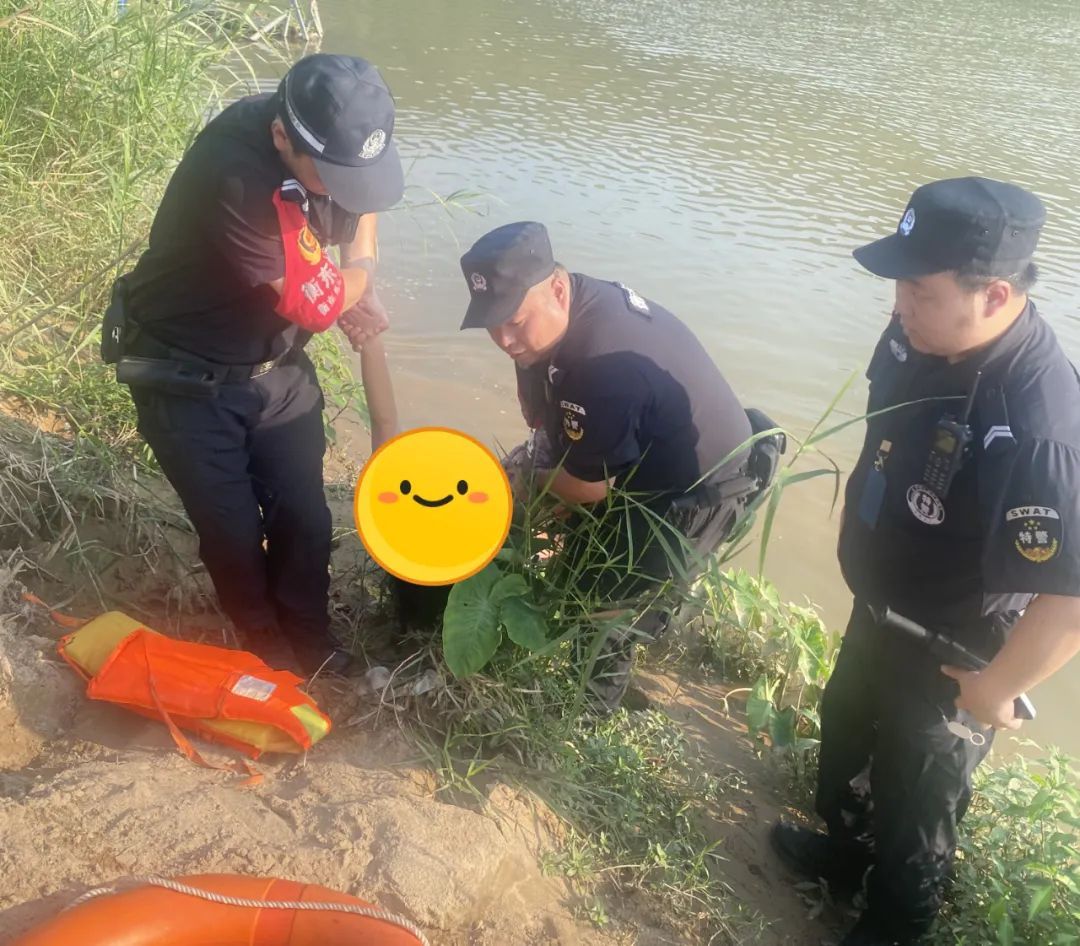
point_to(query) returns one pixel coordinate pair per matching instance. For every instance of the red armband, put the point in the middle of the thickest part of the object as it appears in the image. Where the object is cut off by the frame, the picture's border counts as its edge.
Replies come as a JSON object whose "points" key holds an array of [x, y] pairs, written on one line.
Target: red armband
{"points": [[314, 291]]}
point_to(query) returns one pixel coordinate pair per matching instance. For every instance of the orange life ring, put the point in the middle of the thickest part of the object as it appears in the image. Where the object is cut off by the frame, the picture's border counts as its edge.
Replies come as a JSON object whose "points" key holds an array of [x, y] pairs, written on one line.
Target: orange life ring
{"points": [[176, 913]]}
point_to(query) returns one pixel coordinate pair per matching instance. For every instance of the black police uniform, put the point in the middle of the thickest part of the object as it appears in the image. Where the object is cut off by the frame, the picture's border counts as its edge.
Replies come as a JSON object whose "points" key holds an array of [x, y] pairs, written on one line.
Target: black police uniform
{"points": [[247, 463], [964, 565], [962, 560], [631, 394]]}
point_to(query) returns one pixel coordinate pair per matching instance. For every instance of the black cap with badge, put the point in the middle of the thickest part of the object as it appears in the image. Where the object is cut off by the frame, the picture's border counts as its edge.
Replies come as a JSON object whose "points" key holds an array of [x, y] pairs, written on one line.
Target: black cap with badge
{"points": [[338, 110], [501, 267], [988, 227]]}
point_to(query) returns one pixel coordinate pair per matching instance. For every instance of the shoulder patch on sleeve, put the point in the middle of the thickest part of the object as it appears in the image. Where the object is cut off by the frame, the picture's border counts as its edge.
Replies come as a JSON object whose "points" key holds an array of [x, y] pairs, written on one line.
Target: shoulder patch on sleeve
{"points": [[633, 299], [1036, 532], [573, 419]]}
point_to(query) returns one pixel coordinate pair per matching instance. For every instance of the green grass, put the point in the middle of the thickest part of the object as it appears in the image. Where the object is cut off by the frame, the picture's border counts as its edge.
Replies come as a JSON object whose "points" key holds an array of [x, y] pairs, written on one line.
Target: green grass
{"points": [[94, 113], [626, 786], [95, 109], [634, 799], [631, 793], [784, 654], [1018, 865]]}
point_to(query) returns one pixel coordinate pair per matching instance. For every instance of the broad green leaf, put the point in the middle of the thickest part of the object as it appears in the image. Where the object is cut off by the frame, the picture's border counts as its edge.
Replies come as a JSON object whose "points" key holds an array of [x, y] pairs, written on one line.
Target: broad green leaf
{"points": [[1067, 881], [782, 727], [1005, 931], [525, 626], [996, 912], [471, 632], [1035, 806], [759, 706], [1040, 899], [509, 586]]}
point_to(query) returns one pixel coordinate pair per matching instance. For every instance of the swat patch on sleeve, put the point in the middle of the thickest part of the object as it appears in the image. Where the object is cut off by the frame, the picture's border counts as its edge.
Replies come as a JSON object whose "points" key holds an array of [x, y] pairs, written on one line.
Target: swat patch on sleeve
{"points": [[1035, 531], [634, 300], [573, 418]]}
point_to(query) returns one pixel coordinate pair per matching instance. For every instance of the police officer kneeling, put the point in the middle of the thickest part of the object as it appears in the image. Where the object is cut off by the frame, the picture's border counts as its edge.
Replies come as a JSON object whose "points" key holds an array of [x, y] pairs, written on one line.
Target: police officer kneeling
{"points": [[209, 329], [628, 399], [962, 514]]}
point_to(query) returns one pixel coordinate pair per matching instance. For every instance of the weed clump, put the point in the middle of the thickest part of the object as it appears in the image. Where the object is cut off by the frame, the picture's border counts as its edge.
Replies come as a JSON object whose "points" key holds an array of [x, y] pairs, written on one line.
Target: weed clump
{"points": [[96, 109], [1017, 877], [634, 798]]}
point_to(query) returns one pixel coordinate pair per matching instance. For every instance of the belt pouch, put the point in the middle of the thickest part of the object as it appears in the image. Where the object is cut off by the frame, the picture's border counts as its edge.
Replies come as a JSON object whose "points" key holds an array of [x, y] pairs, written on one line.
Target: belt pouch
{"points": [[169, 377]]}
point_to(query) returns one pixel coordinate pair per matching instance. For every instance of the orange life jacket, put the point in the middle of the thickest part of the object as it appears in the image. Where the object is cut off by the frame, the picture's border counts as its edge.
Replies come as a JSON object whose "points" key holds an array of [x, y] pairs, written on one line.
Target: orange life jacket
{"points": [[227, 696]]}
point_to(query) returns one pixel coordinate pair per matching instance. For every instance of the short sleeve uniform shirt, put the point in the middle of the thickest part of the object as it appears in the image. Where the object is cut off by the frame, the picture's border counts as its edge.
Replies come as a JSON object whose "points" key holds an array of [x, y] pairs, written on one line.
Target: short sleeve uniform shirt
{"points": [[631, 393], [1009, 526], [201, 286]]}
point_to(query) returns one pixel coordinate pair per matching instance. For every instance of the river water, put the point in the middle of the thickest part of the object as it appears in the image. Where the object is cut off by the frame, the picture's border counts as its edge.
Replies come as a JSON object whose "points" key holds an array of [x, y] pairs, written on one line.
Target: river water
{"points": [[723, 157]]}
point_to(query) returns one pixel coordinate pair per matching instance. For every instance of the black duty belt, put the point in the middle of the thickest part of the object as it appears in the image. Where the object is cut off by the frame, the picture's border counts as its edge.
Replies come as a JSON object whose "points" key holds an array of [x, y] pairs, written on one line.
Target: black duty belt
{"points": [[755, 475], [185, 375], [144, 361], [230, 374], [739, 487]]}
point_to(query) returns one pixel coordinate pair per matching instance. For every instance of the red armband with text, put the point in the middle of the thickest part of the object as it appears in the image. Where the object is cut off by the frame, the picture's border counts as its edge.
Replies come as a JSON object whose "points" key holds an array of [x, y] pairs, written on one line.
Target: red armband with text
{"points": [[314, 291]]}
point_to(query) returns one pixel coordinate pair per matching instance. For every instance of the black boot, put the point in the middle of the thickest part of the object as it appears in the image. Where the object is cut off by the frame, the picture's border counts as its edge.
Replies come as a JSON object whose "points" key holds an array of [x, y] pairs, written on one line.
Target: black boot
{"points": [[322, 654], [815, 856], [419, 607], [611, 673], [270, 646]]}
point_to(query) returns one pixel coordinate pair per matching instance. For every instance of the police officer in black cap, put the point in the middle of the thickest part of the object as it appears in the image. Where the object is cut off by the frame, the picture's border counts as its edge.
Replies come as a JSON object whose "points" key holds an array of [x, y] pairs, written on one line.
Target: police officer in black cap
{"points": [[209, 330], [962, 515], [627, 397]]}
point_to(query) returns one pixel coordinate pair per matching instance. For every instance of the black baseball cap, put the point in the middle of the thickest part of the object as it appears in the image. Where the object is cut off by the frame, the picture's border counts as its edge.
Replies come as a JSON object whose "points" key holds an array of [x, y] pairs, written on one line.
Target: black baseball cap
{"points": [[338, 110], [989, 226], [501, 267]]}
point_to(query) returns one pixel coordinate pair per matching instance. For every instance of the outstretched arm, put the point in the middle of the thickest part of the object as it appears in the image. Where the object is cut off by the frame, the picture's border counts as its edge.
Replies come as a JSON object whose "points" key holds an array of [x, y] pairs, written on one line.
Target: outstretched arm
{"points": [[367, 317], [375, 374]]}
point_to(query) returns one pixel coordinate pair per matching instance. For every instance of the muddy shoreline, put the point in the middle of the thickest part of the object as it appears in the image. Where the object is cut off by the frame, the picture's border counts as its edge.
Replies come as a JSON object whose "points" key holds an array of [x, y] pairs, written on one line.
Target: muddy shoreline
{"points": [[90, 794]]}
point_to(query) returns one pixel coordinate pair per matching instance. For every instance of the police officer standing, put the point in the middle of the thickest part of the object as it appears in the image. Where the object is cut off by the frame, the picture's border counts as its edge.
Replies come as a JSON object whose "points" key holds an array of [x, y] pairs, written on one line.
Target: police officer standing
{"points": [[209, 330], [628, 399], [963, 515]]}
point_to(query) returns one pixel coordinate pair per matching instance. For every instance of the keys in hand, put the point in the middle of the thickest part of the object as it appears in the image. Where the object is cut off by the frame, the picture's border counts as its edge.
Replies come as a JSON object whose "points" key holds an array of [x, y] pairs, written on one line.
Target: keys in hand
{"points": [[962, 730]]}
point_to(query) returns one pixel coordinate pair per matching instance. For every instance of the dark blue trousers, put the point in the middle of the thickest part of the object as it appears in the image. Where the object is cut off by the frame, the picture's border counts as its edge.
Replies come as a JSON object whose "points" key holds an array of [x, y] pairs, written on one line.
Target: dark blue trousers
{"points": [[247, 465], [883, 729]]}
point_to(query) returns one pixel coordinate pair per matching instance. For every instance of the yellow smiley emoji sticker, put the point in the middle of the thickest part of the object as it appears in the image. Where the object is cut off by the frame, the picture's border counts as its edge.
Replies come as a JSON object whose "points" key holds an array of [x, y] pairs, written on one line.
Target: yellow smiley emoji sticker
{"points": [[433, 506]]}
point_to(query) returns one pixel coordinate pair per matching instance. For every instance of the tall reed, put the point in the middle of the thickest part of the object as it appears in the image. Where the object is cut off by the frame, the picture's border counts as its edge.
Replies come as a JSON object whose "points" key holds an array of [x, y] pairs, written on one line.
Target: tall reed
{"points": [[95, 108]]}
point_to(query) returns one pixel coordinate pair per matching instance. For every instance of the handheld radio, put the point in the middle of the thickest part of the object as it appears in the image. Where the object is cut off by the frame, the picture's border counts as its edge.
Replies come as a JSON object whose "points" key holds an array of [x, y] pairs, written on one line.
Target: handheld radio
{"points": [[951, 439]]}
